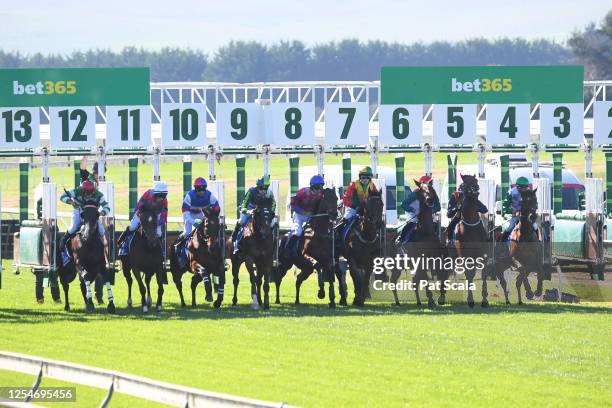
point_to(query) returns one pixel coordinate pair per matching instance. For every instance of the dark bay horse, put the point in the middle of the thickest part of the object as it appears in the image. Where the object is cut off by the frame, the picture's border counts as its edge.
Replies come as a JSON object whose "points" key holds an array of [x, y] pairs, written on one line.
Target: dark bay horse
{"points": [[471, 237], [315, 250], [145, 257], [86, 251], [204, 259], [425, 244], [525, 249], [256, 252], [361, 247]]}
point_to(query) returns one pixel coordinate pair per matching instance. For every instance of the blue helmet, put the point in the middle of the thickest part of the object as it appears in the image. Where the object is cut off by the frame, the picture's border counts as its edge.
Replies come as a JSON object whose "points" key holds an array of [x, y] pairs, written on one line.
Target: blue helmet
{"points": [[199, 182], [317, 180]]}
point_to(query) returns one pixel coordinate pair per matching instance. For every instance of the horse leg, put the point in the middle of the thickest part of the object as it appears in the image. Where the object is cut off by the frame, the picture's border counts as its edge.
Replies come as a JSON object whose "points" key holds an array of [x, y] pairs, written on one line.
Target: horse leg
{"points": [[160, 290], [431, 303], [259, 280], [519, 281], [302, 276], [499, 271], [109, 294], [253, 280], [66, 287], [395, 275], [485, 293], [143, 290], [278, 279], [328, 271], [528, 291], [220, 285], [127, 274], [416, 283], [266, 286], [207, 285], [148, 282], [235, 272], [469, 275], [355, 272], [442, 276], [89, 307], [176, 277], [195, 279], [342, 287]]}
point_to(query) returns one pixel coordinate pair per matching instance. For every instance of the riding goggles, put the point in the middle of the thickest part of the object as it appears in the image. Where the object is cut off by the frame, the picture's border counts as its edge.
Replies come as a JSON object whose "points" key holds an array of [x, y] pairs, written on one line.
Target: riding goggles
{"points": [[160, 195], [200, 188]]}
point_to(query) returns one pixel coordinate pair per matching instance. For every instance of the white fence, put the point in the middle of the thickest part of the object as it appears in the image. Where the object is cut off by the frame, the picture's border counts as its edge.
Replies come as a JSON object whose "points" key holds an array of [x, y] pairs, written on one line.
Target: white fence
{"points": [[114, 381]]}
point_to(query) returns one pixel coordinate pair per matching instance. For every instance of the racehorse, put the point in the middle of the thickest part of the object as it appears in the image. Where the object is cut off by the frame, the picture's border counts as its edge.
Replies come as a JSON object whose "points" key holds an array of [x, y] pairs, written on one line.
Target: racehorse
{"points": [[425, 244], [471, 237], [86, 251], [204, 258], [315, 250], [361, 246], [145, 255], [256, 252], [525, 249]]}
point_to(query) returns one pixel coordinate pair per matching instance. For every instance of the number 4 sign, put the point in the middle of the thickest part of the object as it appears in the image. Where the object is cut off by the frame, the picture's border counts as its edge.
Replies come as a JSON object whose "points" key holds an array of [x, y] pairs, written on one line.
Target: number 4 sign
{"points": [[507, 124]]}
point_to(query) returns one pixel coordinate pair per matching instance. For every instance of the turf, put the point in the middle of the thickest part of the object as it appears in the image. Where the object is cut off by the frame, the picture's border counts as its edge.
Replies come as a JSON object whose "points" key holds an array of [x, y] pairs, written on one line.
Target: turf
{"points": [[537, 354]]}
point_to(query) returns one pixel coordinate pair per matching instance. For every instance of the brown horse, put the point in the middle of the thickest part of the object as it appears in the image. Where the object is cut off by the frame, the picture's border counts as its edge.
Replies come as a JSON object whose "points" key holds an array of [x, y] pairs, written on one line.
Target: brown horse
{"points": [[256, 252], [361, 247], [87, 252], [315, 250], [525, 249], [471, 236], [425, 244], [204, 258], [145, 256]]}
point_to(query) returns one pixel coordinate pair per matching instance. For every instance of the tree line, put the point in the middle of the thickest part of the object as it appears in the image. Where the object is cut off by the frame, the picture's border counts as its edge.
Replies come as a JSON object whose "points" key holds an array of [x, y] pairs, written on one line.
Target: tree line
{"points": [[248, 61]]}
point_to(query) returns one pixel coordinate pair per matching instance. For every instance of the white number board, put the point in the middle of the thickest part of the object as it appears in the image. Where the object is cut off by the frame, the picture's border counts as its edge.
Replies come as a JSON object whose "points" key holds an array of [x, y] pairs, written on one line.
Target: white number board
{"points": [[275, 188], [561, 123], [217, 188], [602, 114], [454, 124], [238, 124], [400, 124], [183, 125], [128, 126], [346, 123], [507, 124], [290, 124], [19, 128], [72, 126]]}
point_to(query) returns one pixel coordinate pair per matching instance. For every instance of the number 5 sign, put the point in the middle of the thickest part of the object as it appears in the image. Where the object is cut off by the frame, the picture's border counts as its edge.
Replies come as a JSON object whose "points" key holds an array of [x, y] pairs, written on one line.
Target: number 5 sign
{"points": [[454, 124], [346, 123]]}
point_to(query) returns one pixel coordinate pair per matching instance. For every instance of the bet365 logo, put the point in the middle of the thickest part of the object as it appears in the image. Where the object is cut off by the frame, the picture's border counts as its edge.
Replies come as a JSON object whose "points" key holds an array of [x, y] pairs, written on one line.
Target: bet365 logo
{"points": [[482, 85], [45, 88]]}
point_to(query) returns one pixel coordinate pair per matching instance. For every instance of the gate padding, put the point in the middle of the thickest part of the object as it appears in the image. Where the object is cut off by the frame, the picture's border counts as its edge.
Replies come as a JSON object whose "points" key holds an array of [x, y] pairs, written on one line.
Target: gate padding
{"points": [[568, 238]]}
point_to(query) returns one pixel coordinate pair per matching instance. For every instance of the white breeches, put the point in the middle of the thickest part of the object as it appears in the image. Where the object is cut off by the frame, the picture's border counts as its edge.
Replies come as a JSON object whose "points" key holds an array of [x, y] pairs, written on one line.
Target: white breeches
{"points": [[190, 219], [298, 224]]}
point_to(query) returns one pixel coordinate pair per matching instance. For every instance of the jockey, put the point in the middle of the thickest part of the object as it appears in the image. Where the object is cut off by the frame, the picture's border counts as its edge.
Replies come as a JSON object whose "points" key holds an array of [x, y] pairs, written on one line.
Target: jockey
{"points": [[522, 184], [84, 174], [356, 195], [154, 199], [454, 211], [85, 194], [194, 203], [412, 206], [260, 191], [303, 204]]}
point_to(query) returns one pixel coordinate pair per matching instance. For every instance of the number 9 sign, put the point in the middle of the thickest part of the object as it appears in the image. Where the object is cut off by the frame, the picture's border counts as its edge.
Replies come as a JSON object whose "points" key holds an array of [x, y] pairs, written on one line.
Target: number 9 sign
{"points": [[238, 124], [19, 128]]}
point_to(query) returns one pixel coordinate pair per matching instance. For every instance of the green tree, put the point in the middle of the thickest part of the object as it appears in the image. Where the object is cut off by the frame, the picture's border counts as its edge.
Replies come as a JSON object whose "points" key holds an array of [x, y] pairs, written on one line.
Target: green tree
{"points": [[593, 47]]}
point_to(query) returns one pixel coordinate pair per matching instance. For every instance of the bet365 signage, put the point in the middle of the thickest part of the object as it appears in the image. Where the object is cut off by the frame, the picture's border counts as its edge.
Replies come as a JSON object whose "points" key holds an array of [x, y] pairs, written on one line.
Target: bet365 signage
{"points": [[507, 91], [72, 95]]}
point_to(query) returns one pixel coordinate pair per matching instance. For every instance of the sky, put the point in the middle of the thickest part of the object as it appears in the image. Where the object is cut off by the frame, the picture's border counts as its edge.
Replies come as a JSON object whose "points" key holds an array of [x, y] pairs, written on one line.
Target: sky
{"points": [[63, 26]]}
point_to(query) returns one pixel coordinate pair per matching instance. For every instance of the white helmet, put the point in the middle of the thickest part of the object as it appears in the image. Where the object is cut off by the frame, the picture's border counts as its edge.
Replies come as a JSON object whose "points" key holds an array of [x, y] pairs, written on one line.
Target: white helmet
{"points": [[160, 187]]}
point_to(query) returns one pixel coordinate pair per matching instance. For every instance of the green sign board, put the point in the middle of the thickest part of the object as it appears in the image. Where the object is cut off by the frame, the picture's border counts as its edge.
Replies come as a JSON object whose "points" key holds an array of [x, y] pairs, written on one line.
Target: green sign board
{"points": [[74, 87], [486, 84]]}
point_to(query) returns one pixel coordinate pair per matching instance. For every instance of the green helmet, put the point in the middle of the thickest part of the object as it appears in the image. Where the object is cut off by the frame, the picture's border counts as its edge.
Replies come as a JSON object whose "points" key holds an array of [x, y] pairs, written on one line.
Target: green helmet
{"points": [[522, 182], [264, 181], [365, 171]]}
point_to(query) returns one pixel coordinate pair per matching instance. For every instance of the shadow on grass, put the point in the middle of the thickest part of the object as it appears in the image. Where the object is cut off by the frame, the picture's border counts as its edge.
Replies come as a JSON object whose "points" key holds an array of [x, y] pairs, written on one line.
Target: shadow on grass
{"points": [[173, 311]]}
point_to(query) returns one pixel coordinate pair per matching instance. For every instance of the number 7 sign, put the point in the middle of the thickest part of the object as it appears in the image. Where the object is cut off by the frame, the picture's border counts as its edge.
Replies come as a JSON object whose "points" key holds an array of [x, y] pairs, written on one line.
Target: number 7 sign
{"points": [[346, 123]]}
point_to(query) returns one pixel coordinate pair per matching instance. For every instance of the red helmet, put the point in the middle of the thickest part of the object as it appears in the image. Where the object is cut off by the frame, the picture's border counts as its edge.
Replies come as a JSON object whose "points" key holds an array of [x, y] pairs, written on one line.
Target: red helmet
{"points": [[426, 179], [199, 182], [88, 187]]}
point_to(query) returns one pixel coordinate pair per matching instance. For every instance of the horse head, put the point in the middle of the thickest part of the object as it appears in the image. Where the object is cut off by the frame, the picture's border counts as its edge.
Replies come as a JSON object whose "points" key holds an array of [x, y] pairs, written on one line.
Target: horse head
{"points": [[373, 210], [89, 227], [426, 193], [329, 203], [263, 216], [529, 202], [210, 226], [148, 227]]}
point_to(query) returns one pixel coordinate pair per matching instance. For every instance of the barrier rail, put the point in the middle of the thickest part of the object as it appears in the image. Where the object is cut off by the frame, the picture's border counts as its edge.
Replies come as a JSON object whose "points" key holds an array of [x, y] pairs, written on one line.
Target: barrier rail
{"points": [[114, 381]]}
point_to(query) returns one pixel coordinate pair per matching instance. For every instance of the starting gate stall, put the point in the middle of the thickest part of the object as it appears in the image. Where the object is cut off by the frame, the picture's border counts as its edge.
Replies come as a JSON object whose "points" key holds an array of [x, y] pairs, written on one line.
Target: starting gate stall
{"points": [[488, 197], [595, 226], [545, 220], [107, 188], [275, 188], [382, 235]]}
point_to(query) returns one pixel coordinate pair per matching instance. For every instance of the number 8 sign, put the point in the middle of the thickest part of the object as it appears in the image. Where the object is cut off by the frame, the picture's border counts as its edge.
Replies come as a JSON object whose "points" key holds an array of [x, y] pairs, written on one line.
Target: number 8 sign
{"points": [[290, 124]]}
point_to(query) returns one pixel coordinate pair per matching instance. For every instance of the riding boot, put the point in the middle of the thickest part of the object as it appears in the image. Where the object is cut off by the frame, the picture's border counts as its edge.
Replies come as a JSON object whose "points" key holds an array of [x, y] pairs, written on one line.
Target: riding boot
{"points": [[235, 240], [290, 251], [122, 237]]}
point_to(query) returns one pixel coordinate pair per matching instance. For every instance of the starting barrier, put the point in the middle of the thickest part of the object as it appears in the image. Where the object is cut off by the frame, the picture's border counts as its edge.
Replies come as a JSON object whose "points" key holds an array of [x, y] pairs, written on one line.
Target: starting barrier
{"points": [[545, 220], [275, 188], [595, 225], [488, 196]]}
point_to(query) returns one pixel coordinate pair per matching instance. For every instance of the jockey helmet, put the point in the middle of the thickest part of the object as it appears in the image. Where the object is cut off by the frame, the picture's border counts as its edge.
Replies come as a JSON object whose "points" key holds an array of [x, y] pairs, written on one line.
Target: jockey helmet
{"points": [[426, 179], [522, 182], [88, 187], [366, 171], [264, 182], [317, 180], [160, 189], [200, 183]]}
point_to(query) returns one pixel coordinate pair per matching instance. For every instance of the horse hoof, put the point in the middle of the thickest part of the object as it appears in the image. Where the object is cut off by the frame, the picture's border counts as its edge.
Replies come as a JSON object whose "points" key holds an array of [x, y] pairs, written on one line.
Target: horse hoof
{"points": [[442, 300], [149, 301], [234, 301], [332, 305], [159, 308], [484, 304], [57, 301], [129, 303], [397, 304], [520, 302], [254, 306], [321, 294], [342, 302], [266, 306], [100, 301], [507, 302], [193, 304], [277, 302], [89, 307], [208, 298], [431, 304], [471, 304], [111, 308], [67, 308], [419, 304], [217, 304], [145, 309], [297, 302]]}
